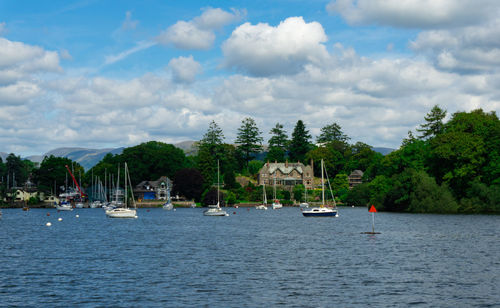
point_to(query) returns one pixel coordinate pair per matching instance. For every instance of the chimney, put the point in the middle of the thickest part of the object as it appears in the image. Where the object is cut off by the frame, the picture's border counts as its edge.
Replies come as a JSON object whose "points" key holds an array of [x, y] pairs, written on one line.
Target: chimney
{"points": [[312, 168], [286, 163]]}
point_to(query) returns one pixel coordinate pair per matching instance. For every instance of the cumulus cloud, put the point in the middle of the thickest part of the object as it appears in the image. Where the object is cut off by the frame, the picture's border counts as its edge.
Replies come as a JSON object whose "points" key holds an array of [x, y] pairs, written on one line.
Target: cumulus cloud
{"points": [[472, 49], [414, 13], [263, 50], [198, 33], [184, 69]]}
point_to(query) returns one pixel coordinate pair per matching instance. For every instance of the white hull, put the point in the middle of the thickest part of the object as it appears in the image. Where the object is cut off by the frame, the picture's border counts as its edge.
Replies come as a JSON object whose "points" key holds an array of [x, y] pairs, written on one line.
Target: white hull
{"points": [[215, 212], [304, 205], [277, 206], [121, 213], [261, 207], [168, 206], [64, 207]]}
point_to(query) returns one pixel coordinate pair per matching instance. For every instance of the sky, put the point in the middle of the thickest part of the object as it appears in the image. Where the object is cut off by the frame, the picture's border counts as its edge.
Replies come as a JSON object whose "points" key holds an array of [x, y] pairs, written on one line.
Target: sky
{"points": [[105, 74]]}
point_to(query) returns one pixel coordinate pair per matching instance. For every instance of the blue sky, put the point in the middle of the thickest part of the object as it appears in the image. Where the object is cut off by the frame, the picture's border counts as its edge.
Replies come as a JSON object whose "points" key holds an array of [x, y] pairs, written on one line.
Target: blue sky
{"points": [[117, 73]]}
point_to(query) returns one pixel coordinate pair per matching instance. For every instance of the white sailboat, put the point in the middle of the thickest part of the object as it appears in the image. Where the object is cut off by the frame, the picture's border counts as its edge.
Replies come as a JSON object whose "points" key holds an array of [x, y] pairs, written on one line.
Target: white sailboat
{"points": [[64, 206], [215, 210], [276, 203], [323, 210], [124, 212], [263, 206], [168, 205]]}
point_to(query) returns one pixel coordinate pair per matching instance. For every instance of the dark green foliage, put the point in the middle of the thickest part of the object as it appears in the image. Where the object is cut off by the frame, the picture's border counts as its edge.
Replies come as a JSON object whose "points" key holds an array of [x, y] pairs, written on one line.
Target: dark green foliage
{"points": [[300, 143], [434, 125], [254, 166], [210, 197], [332, 132], [298, 192], [359, 195], [278, 144], [147, 161], [188, 182], [53, 172], [249, 140], [481, 198], [17, 170]]}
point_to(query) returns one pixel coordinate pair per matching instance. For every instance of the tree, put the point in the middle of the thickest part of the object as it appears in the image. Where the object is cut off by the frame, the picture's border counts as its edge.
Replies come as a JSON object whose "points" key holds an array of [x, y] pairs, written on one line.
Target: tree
{"points": [[212, 140], [16, 170], [53, 172], [332, 132], [277, 144], [210, 150], [434, 125], [300, 144], [188, 182], [249, 139]]}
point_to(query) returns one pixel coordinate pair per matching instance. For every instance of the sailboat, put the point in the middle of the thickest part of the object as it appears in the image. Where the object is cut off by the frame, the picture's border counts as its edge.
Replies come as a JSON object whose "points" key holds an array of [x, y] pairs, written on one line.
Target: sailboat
{"points": [[215, 210], [276, 203], [123, 212], [323, 210], [64, 206], [168, 205], [263, 206]]}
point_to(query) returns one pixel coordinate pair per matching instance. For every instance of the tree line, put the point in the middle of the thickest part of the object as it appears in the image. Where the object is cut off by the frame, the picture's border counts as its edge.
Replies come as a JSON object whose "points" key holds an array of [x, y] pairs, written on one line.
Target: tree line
{"points": [[449, 167]]}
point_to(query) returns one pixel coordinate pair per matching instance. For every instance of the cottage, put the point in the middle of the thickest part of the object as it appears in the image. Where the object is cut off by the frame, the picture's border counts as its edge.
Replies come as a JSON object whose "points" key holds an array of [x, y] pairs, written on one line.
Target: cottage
{"points": [[286, 174], [153, 190], [355, 178]]}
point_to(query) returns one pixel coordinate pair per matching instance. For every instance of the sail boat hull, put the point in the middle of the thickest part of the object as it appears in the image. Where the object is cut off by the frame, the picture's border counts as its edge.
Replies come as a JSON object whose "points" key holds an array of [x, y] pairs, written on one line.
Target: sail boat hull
{"points": [[121, 213], [320, 212], [215, 212]]}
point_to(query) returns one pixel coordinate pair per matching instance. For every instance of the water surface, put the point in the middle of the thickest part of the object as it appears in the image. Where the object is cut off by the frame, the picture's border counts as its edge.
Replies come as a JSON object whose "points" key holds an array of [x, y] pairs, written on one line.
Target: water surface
{"points": [[249, 259]]}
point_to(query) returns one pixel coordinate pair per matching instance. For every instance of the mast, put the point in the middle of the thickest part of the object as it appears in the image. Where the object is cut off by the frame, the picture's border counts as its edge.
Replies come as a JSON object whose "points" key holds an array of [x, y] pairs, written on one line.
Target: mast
{"points": [[130, 183], [125, 183], [322, 185], [218, 204]]}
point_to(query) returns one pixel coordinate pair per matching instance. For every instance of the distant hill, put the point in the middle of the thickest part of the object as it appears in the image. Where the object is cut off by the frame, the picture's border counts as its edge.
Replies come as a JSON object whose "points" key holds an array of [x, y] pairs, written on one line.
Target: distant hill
{"points": [[383, 151], [90, 157]]}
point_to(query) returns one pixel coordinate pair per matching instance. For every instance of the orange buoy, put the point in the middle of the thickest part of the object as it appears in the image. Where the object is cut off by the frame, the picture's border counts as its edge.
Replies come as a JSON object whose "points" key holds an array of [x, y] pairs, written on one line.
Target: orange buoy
{"points": [[48, 214]]}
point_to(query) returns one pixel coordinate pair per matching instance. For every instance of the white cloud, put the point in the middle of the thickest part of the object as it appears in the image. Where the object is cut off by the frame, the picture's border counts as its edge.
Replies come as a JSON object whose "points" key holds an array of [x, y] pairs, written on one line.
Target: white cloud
{"points": [[263, 50], [472, 48], [199, 32], [184, 69], [142, 45], [414, 13], [128, 23], [27, 58]]}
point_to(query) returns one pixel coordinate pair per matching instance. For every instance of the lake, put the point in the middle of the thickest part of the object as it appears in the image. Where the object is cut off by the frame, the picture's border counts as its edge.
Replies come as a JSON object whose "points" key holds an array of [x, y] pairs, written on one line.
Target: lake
{"points": [[250, 259]]}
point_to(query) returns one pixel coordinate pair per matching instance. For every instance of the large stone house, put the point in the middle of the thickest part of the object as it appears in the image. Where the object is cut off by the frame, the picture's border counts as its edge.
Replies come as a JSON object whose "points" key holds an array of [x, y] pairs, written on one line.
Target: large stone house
{"points": [[153, 190], [286, 174]]}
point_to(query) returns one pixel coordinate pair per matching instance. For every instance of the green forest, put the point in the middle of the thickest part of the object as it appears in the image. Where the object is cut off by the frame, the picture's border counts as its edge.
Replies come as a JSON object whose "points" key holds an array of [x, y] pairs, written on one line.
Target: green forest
{"points": [[442, 167]]}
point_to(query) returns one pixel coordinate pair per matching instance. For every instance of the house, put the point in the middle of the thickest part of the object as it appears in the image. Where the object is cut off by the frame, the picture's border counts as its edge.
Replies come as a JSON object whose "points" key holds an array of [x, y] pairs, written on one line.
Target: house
{"points": [[355, 178], [286, 174], [153, 190]]}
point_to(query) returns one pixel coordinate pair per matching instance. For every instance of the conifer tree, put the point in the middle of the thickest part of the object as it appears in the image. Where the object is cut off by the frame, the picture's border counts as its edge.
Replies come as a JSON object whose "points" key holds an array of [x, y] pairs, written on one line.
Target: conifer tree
{"points": [[277, 144], [300, 144], [434, 125], [249, 140]]}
